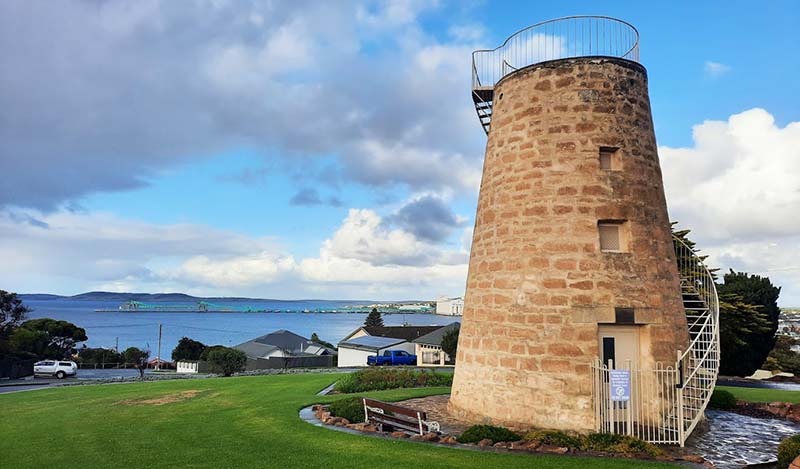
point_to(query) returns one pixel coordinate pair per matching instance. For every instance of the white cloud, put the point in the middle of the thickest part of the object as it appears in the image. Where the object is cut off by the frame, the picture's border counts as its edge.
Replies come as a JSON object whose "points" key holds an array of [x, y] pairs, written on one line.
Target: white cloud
{"points": [[364, 257], [716, 69], [737, 189]]}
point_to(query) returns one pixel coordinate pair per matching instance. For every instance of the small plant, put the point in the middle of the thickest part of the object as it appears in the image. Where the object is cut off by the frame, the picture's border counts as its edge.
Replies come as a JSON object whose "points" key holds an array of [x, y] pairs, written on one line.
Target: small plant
{"points": [[477, 433], [722, 400], [351, 408], [555, 438], [614, 443], [788, 450], [227, 361], [377, 379]]}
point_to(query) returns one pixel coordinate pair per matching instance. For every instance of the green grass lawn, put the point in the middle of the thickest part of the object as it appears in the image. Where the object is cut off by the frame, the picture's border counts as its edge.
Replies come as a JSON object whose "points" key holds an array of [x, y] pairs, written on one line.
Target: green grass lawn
{"points": [[232, 422], [763, 395]]}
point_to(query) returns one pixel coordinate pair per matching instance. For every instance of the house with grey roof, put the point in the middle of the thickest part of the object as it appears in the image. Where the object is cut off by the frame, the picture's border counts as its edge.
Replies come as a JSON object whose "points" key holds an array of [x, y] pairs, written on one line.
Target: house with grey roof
{"points": [[428, 348], [367, 341], [282, 349]]}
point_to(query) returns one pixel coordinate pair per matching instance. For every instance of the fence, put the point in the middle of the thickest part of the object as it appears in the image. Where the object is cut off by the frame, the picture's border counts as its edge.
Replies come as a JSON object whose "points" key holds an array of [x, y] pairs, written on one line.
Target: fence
{"points": [[573, 36], [13, 368], [667, 402], [651, 410]]}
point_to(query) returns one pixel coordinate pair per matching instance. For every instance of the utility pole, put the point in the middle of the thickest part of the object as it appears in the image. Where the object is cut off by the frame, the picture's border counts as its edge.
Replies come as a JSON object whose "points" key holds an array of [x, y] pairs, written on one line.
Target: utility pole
{"points": [[158, 356], [116, 347]]}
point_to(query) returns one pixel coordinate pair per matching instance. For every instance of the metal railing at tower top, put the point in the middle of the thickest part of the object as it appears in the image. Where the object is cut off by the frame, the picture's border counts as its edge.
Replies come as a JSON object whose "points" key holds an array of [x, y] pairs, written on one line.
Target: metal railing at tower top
{"points": [[561, 38]]}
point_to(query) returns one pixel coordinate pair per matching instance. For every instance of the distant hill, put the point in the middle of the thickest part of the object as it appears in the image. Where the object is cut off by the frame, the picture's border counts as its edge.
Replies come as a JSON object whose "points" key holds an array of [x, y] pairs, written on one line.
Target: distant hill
{"points": [[162, 297]]}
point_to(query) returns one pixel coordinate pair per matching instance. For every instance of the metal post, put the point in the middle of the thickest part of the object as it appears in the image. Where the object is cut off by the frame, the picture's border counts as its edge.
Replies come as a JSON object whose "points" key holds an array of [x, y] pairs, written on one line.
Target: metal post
{"points": [[158, 355]]}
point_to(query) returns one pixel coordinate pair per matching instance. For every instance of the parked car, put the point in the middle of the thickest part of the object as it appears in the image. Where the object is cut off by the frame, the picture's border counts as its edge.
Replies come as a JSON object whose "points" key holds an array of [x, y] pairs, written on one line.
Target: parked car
{"points": [[58, 368], [392, 357]]}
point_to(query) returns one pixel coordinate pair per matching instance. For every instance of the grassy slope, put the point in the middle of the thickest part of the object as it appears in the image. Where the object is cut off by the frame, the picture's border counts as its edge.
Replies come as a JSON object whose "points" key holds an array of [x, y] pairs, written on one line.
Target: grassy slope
{"points": [[234, 422], [763, 395]]}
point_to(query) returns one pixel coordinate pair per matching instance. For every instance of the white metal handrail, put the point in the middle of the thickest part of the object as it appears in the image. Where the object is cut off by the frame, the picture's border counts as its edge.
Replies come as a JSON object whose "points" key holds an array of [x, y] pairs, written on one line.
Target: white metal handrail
{"points": [[560, 38], [668, 402]]}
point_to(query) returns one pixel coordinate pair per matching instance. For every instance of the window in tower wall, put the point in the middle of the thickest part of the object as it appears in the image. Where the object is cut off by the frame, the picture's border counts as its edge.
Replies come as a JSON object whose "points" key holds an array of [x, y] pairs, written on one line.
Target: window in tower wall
{"points": [[613, 235], [610, 159]]}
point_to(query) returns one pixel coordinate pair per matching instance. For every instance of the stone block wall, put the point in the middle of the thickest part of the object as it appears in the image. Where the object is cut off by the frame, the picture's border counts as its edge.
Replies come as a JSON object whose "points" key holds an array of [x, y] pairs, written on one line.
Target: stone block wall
{"points": [[538, 283]]}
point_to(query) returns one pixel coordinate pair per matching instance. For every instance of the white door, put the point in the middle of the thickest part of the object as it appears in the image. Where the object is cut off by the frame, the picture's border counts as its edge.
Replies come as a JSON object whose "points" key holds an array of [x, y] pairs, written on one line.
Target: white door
{"points": [[620, 344]]}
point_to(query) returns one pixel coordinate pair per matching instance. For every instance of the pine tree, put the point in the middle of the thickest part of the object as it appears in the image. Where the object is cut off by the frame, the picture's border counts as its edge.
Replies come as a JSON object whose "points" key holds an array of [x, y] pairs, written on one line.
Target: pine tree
{"points": [[374, 319]]}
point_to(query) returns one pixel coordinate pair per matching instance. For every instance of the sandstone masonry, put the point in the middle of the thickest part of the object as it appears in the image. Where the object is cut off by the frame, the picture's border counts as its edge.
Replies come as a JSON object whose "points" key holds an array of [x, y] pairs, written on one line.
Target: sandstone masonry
{"points": [[538, 283]]}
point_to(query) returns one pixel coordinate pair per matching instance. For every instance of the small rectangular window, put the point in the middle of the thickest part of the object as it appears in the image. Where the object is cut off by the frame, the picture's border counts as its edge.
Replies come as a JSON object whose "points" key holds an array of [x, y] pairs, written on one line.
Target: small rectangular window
{"points": [[624, 316], [609, 350], [610, 159], [613, 235]]}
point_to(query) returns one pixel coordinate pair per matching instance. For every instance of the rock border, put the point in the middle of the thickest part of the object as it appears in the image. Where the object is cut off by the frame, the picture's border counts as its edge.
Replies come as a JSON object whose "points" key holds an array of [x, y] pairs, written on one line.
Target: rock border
{"points": [[319, 415]]}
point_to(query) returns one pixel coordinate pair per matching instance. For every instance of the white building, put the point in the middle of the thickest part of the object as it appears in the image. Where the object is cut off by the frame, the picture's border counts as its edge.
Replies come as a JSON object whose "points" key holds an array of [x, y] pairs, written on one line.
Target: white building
{"points": [[450, 306], [354, 352]]}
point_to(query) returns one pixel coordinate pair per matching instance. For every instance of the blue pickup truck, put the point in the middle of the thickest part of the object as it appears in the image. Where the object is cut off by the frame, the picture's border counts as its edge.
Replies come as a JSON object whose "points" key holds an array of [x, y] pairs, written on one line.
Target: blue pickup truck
{"points": [[392, 357]]}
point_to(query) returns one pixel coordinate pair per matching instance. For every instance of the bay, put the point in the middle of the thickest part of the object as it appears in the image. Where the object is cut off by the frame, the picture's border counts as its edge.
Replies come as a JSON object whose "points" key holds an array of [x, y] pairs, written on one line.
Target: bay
{"points": [[140, 329]]}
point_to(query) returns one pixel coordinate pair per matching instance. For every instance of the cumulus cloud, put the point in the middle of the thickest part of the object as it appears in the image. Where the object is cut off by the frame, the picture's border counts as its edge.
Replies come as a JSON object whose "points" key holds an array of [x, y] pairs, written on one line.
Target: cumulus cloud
{"points": [[428, 217], [363, 257], [737, 189], [716, 69], [102, 96]]}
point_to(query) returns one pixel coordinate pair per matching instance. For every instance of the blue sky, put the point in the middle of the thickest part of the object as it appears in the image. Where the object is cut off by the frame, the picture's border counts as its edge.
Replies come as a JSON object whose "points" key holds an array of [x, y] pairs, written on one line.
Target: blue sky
{"points": [[312, 150]]}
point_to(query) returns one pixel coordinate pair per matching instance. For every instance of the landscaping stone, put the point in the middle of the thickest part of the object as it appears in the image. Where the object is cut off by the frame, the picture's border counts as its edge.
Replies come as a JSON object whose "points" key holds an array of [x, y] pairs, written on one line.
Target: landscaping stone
{"points": [[449, 440], [795, 464], [485, 442], [526, 445], [399, 435], [553, 449]]}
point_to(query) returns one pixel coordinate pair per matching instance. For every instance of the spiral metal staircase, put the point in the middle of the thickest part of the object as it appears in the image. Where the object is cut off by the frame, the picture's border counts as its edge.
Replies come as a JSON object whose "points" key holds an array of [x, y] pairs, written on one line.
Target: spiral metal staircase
{"points": [[667, 401], [698, 366]]}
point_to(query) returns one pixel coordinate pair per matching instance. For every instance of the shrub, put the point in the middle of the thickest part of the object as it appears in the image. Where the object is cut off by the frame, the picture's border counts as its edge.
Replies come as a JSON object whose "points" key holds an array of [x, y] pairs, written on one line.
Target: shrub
{"points": [[477, 433], [613, 443], [788, 450], [351, 408], [555, 438], [722, 400], [227, 361], [377, 379]]}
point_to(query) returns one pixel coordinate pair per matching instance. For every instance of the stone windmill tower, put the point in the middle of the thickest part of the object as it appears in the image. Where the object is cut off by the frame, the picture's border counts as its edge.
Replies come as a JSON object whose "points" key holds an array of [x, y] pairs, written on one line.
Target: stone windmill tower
{"points": [[573, 273]]}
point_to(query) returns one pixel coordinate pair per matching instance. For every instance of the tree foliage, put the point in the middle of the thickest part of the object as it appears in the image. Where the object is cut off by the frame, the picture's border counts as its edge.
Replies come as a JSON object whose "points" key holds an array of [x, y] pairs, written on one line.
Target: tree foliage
{"points": [[209, 349], [450, 342], [47, 338], [754, 336], [97, 356], [782, 357], [137, 357], [315, 338], [374, 319], [227, 361], [188, 349], [748, 315], [12, 314]]}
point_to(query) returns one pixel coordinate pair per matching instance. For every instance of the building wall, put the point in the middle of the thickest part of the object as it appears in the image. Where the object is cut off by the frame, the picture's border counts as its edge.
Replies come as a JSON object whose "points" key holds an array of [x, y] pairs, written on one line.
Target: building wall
{"points": [[351, 357], [538, 284], [450, 307]]}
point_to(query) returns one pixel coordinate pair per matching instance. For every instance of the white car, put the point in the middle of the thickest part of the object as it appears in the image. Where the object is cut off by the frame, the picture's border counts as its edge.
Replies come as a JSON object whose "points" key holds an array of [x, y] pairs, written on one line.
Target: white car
{"points": [[58, 368]]}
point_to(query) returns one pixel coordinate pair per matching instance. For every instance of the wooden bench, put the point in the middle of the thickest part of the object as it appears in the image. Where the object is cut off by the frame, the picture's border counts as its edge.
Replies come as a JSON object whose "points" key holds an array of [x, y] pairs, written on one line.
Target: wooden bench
{"points": [[398, 417]]}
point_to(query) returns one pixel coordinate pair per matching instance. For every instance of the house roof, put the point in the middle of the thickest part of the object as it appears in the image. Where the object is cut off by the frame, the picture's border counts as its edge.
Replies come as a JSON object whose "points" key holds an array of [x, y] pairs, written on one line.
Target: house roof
{"points": [[287, 341], [435, 337], [408, 333], [371, 343]]}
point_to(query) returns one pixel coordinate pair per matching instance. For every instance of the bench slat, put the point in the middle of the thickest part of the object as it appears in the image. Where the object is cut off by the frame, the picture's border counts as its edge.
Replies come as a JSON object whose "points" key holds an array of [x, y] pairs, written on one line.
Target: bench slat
{"points": [[395, 408]]}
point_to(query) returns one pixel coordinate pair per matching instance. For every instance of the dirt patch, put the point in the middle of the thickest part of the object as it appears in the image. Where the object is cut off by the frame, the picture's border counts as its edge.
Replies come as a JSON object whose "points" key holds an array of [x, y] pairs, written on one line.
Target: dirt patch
{"points": [[166, 399]]}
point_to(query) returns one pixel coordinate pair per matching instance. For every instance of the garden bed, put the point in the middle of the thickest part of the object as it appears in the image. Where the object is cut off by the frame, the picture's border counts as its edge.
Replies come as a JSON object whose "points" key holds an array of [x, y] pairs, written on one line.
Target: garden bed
{"points": [[348, 415]]}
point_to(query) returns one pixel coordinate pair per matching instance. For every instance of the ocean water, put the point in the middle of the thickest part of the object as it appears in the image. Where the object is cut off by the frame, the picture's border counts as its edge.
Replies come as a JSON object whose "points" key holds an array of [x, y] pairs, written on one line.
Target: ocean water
{"points": [[140, 329]]}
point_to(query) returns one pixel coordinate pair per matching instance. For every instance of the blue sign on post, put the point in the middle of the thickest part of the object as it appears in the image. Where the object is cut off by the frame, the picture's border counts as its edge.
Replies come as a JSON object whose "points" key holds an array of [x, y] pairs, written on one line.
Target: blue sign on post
{"points": [[620, 382]]}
